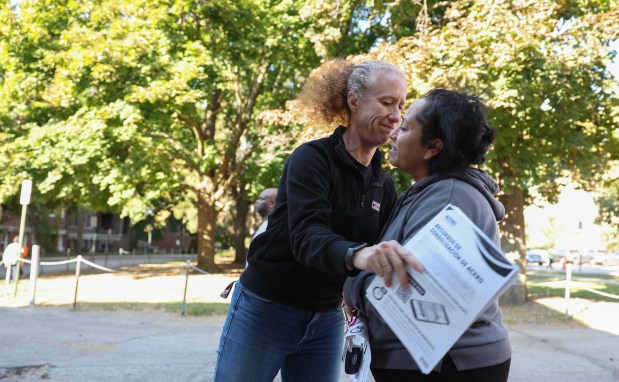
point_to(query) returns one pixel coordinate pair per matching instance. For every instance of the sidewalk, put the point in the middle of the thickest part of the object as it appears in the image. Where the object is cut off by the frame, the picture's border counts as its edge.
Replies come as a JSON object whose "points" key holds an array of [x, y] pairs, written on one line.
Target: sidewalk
{"points": [[64, 345], [58, 344]]}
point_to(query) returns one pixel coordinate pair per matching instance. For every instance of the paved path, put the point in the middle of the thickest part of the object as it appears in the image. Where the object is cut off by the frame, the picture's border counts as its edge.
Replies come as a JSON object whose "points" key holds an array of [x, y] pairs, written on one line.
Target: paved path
{"points": [[63, 345], [59, 344]]}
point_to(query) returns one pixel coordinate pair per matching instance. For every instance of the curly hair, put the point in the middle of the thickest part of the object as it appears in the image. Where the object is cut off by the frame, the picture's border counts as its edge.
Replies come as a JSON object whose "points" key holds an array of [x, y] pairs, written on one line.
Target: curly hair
{"points": [[459, 120], [325, 94]]}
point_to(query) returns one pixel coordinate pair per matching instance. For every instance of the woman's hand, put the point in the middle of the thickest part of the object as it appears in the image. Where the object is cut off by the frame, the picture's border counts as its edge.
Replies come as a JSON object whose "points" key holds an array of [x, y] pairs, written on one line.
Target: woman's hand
{"points": [[386, 257]]}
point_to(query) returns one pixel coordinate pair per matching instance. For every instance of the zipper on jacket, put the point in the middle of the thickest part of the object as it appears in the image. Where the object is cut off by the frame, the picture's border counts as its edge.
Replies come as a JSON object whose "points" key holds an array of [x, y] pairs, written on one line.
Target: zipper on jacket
{"points": [[362, 200]]}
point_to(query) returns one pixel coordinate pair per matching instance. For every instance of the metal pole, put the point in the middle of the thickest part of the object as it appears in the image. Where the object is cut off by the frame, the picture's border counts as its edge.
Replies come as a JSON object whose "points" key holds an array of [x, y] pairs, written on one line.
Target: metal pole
{"points": [[6, 282], [22, 225], [187, 267], [77, 278], [568, 279], [34, 272]]}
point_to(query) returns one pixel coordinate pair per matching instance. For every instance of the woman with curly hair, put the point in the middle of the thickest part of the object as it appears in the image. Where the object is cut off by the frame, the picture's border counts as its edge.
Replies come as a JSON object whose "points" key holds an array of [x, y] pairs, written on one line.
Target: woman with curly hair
{"points": [[333, 200]]}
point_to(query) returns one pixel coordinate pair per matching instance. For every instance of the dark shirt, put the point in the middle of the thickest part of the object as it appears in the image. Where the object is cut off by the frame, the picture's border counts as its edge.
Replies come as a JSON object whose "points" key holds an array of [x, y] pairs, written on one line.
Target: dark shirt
{"points": [[323, 207]]}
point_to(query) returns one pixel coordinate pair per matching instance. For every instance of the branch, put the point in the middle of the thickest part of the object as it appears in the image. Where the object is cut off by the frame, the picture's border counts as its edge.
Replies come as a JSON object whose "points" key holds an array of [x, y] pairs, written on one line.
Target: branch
{"points": [[210, 114], [188, 187], [242, 119], [178, 150], [196, 132]]}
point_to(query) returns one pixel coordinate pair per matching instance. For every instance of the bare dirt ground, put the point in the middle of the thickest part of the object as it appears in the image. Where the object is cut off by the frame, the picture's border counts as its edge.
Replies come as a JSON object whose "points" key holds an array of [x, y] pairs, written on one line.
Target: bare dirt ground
{"points": [[145, 286]]}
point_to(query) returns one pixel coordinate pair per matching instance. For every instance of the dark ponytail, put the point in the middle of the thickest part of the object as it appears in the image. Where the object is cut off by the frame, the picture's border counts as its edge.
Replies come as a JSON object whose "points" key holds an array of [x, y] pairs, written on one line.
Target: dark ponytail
{"points": [[459, 120]]}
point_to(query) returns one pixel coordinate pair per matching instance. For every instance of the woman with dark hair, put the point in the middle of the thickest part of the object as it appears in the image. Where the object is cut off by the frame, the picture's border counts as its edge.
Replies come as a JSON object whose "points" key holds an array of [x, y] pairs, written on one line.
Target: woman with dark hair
{"points": [[333, 200], [442, 138]]}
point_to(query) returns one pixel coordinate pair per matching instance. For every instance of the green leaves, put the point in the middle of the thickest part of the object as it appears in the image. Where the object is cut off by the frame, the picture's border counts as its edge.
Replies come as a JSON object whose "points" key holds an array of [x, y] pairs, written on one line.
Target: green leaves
{"points": [[126, 105], [544, 78]]}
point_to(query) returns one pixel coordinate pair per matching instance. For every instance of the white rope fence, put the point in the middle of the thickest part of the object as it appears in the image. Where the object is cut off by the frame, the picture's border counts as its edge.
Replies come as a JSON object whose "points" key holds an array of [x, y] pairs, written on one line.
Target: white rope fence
{"points": [[34, 271], [568, 286], [581, 286], [35, 264]]}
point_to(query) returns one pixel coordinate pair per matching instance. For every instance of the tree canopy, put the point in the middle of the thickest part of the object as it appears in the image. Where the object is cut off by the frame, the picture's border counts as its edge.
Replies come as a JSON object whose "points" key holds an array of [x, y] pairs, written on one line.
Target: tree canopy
{"points": [[177, 107], [542, 67]]}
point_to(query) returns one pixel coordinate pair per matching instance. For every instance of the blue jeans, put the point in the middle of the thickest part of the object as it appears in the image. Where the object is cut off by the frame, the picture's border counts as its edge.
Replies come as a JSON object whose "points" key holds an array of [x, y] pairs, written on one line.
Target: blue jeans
{"points": [[261, 336]]}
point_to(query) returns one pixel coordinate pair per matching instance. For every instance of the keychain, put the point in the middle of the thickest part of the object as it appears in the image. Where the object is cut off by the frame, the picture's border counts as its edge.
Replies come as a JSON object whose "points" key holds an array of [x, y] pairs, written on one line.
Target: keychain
{"points": [[356, 356]]}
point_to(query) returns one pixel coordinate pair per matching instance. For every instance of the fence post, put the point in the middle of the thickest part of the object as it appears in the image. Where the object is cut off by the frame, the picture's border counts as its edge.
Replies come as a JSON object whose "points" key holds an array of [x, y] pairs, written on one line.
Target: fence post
{"points": [[34, 272], [187, 267], [568, 279], [78, 264], [6, 282]]}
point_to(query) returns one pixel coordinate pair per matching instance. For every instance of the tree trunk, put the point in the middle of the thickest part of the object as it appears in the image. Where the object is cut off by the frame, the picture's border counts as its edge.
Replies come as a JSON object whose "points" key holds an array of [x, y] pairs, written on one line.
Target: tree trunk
{"points": [[207, 221], [513, 243], [240, 224]]}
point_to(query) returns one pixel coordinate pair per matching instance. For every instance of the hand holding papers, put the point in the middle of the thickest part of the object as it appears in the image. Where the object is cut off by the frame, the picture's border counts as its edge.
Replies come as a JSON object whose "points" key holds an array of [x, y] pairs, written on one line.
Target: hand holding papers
{"points": [[464, 272]]}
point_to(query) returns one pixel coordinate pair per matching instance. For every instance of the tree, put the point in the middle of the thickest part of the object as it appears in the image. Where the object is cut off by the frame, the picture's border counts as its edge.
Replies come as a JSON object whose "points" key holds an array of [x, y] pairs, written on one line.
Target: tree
{"points": [[138, 105], [542, 67], [607, 198], [160, 98]]}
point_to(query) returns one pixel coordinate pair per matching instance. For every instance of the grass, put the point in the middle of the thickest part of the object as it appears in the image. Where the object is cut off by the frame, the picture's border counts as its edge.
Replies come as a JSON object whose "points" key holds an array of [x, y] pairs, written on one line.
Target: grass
{"points": [[195, 309], [540, 284], [575, 275], [553, 285]]}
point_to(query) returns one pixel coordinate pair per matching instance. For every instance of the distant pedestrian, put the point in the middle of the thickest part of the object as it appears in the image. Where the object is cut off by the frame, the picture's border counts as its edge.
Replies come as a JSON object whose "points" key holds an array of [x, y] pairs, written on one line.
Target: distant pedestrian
{"points": [[550, 261], [10, 257], [264, 206]]}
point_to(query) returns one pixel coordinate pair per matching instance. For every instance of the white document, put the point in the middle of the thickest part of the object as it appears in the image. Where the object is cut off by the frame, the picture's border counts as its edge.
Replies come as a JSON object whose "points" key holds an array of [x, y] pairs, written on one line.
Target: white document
{"points": [[464, 272]]}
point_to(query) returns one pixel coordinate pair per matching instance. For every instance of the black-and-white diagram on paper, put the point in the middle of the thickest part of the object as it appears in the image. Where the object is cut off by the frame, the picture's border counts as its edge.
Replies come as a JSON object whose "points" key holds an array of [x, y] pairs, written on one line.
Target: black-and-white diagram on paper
{"points": [[429, 311]]}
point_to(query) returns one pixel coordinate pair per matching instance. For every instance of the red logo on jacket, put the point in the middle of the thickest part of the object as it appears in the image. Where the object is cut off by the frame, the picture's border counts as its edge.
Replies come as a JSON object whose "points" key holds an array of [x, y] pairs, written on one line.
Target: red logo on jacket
{"points": [[375, 205]]}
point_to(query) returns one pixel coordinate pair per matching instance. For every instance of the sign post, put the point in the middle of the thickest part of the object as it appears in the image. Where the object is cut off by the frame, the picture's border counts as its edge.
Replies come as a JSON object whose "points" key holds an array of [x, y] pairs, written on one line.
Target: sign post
{"points": [[34, 272], [24, 200]]}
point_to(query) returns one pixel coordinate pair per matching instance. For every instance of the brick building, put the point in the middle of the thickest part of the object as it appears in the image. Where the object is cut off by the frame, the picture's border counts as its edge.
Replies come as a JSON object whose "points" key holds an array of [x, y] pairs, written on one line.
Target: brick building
{"points": [[85, 231]]}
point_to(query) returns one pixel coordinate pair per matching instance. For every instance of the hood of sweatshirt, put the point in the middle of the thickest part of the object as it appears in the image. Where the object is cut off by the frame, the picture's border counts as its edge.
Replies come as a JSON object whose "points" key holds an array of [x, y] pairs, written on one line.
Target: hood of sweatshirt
{"points": [[473, 176]]}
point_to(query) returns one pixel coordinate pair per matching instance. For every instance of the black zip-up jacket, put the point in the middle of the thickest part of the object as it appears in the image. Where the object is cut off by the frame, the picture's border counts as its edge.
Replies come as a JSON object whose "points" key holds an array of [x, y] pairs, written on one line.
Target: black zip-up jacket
{"points": [[322, 209]]}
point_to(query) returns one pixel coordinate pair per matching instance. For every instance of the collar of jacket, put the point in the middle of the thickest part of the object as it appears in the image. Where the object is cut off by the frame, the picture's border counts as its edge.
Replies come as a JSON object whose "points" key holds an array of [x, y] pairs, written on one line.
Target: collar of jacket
{"points": [[342, 154]]}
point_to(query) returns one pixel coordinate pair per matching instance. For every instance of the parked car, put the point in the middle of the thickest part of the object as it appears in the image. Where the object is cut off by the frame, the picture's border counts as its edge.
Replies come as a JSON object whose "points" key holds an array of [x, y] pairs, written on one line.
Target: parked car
{"points": [[563, 255], [585, 258], [539, 256], [608, 259], [599, 256]]}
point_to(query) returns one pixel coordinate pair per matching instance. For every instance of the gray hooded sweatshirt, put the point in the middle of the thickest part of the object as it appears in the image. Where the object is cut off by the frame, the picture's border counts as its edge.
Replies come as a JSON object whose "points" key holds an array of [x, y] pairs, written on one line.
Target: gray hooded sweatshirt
{"points": [[486, 342]]}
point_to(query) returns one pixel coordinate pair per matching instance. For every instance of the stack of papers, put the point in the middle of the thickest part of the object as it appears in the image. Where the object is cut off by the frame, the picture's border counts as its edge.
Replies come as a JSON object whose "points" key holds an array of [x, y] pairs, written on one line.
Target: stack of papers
{"points": [[464, 272]]}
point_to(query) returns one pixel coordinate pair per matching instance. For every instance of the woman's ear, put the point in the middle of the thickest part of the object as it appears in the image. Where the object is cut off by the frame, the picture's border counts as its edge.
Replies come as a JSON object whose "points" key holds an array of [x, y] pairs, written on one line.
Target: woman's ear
{"points": [[434, 147], [352, 102]]}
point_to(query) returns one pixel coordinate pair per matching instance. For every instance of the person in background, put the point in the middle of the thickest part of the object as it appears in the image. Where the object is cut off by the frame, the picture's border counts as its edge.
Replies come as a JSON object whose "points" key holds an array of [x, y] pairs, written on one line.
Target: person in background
{"points": [[333, 200], [264, 207], [443, 137], [10, 256]]}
